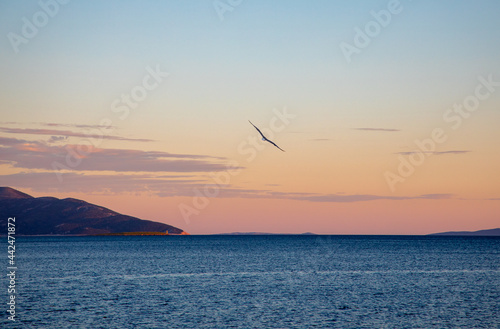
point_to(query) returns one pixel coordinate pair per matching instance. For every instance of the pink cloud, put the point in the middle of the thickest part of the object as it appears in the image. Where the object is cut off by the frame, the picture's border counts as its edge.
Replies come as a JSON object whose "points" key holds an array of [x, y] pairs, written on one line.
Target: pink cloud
{"points": [[68, 133], [39, 155]]}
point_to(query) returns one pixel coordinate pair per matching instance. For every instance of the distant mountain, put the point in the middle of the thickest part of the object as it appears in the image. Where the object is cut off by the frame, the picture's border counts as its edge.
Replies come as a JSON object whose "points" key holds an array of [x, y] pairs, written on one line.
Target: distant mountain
{"points": [[52, 216], [263, 233], [246, 233], [492, 232]]}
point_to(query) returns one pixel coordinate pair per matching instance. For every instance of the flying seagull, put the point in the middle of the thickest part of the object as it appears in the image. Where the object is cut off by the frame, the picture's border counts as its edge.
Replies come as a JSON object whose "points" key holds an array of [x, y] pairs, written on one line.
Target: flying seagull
{"points": [[264, 137]]}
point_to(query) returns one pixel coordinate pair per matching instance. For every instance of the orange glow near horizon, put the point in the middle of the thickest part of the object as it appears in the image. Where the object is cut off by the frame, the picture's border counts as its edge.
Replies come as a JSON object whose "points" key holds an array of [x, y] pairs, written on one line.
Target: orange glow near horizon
{"points": [[224, 215]]}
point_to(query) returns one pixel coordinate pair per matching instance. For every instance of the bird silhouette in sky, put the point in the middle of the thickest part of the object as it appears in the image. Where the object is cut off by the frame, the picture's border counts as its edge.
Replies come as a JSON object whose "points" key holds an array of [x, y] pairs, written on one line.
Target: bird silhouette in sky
{"points": [[264, 138]]}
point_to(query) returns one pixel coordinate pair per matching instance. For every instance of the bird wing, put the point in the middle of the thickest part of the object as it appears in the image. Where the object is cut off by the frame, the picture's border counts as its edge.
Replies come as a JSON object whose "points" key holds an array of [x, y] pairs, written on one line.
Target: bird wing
{"points": [[267, 140], [260, 132]]}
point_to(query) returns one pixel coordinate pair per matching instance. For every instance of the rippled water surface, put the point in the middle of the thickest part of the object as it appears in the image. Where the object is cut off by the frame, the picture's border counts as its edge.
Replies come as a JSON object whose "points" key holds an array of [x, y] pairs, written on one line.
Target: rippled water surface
{"points": [[255, 282]]}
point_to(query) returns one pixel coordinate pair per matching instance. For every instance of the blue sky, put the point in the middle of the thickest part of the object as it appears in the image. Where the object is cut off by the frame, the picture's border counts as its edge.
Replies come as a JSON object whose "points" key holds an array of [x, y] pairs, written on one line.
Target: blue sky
{"points": [[261, 50]]}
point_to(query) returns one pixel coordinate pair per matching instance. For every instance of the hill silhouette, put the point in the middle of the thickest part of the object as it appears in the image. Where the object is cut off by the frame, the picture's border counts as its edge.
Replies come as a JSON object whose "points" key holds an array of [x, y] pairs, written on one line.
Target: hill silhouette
{"points": [[490, 232], [53, 216]]}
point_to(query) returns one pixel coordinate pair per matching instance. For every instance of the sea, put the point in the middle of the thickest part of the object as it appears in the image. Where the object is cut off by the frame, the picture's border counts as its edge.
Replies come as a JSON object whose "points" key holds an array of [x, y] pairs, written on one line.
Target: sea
{"points": [[266, 281]]}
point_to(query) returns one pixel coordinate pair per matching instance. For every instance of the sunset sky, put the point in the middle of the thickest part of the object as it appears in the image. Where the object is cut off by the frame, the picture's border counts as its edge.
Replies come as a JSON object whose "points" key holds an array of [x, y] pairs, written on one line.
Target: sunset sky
{"points": [[389, 112]]}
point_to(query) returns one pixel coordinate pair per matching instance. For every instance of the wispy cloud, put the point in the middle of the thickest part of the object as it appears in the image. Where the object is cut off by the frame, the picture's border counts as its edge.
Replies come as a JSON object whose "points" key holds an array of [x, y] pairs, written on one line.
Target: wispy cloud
{"points": [[55, 139], [177, 185], [68, 133], [54, 124], [436, 196], [46, 182], [332, 198], [160, 173], [377, 129], [72, 125], [362, 197], [320, 140], [40, 155], [6, 141], [435, 152]]}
